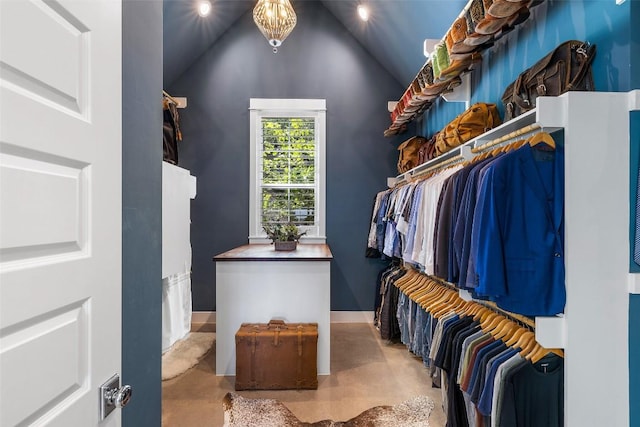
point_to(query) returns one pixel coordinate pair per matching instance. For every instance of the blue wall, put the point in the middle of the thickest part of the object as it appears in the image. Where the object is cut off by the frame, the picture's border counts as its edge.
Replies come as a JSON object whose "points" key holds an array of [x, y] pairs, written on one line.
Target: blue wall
{"points": [[634, 300], [634, 360], [602, 23], [142, 210], [320, 59]]}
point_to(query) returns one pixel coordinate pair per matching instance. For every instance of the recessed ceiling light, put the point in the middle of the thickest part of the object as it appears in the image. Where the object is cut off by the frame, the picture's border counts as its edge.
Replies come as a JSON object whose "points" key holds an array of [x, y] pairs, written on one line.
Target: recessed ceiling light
{"points": [[204, 8], [363, 12]]}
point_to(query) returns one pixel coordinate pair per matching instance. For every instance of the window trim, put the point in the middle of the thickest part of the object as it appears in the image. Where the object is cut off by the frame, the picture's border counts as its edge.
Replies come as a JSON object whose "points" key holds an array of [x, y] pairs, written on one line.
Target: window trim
{"points": [[263, 107]]}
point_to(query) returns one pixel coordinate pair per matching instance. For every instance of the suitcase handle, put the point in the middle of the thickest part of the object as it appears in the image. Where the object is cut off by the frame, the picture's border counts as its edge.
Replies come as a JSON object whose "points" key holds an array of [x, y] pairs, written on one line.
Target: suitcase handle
{"points": [[277, 324]]}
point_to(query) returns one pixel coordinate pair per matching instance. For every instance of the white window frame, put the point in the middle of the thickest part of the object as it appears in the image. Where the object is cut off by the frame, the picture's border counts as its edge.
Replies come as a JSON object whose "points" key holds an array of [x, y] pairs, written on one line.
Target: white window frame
{"points": [[261, 107]]}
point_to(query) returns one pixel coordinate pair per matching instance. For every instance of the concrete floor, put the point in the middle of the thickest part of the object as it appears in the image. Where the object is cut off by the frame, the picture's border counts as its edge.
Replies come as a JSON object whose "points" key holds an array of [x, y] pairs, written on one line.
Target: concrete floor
{"points": [[365, 371]]}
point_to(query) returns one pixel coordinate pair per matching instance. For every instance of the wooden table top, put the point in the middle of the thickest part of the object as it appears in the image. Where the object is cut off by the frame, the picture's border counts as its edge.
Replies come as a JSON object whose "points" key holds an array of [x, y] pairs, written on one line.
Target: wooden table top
{"points": [[266, 252]]}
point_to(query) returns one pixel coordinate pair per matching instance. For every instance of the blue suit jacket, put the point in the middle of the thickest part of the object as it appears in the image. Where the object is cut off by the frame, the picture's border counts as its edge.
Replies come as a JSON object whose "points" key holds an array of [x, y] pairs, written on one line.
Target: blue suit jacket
{"points": [[519, 245]]}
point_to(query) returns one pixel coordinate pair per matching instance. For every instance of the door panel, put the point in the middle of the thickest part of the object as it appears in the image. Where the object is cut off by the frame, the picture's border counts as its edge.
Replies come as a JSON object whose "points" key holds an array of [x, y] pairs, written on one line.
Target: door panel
{"points": [[60, 209]]}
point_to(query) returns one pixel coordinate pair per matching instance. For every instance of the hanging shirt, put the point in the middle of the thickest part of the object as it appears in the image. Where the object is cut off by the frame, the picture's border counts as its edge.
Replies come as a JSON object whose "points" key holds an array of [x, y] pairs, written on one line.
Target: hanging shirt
{"points": [[533, 395]]}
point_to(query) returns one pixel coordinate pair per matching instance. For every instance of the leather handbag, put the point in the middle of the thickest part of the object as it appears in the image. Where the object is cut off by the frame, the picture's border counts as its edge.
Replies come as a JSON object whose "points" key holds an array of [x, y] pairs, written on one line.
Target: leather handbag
{"points": [[476, 120], [427, 150], [566, 68], [409, 153]]}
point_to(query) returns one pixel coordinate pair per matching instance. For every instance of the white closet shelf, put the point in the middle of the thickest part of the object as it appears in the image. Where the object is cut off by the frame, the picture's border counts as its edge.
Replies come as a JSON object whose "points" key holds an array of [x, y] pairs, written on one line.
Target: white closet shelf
{"points": [[634, 283]]}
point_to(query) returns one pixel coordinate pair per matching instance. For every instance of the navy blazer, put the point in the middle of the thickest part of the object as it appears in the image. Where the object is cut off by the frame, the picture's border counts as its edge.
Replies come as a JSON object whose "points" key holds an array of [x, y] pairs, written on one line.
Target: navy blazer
{"points": [[519, 246], [464, 221]]}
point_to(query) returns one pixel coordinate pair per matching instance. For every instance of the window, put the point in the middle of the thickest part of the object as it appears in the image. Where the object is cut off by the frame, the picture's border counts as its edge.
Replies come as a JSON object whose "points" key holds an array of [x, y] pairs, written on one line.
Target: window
{"points": [[287, 166]]}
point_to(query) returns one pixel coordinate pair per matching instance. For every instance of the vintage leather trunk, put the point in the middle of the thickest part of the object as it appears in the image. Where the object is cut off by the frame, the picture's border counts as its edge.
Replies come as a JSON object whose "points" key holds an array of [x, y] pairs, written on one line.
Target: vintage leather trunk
{"points": [[276, 356]]}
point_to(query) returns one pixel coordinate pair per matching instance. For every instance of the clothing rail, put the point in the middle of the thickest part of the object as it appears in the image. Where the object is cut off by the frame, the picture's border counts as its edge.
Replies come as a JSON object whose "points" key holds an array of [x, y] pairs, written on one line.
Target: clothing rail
{"points": [[455, 155], [523, 320], [442, 282], [535, 127], [448, 162], [513, 316]]}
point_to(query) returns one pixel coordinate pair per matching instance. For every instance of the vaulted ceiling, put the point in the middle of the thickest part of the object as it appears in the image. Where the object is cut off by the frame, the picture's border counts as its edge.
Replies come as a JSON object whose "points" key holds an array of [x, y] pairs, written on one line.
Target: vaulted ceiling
{"points": [[394, 34]]}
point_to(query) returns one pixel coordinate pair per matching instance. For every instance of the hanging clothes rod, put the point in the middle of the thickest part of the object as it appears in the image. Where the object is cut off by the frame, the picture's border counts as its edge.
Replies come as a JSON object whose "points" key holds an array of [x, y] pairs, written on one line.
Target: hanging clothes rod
{"points": [[522, 131], [448, 162], [517, 317], [456, 155], [181, 102], [442, 282], [488, 304]]}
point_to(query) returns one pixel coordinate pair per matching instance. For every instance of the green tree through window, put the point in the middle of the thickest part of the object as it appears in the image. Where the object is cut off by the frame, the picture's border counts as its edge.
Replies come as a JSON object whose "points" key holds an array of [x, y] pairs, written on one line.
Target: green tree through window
{"points": [[288, 170]]}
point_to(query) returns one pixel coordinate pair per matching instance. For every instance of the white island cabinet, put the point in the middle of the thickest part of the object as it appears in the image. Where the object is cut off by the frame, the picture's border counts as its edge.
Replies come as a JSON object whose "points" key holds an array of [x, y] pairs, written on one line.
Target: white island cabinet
{"points": [[255, 283]]}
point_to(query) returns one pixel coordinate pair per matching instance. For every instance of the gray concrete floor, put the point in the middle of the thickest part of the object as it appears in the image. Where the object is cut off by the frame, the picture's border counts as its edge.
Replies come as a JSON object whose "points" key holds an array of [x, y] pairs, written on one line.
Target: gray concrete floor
{"points": [[365, 372]]}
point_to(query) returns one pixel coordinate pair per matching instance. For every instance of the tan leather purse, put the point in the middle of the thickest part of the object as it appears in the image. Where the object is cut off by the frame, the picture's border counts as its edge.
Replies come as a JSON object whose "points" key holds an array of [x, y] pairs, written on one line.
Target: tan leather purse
{"points": [[409, 156], [475, 121]]}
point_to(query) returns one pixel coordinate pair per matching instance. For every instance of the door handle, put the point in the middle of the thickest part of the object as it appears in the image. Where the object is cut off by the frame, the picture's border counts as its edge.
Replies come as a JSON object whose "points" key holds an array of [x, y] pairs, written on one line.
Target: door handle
{"points": [[113, 396]]}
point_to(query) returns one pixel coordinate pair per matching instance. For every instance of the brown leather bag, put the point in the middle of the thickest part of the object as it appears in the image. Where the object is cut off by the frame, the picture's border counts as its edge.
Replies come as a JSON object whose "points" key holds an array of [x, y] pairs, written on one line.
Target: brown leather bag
{"points": [[476, 120], [428, 150], [567, 67], [276, 356], [409, 153]]}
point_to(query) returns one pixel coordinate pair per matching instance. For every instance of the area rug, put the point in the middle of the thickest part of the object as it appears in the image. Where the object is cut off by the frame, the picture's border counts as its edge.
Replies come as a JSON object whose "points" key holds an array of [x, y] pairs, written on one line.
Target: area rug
{"points": [[243, 412], [186, 353]]}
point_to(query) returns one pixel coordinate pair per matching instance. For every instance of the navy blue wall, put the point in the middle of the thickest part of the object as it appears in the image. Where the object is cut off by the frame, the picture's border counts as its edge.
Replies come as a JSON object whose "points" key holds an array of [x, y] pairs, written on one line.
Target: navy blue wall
{"points": [[634, 300], [320, 59], [602, 23], [142, 210], [634, 360]]}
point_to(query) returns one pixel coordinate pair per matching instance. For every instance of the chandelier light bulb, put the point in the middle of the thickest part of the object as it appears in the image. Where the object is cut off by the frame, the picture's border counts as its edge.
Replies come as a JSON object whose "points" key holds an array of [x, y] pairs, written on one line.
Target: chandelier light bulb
{"points": [[204, 8], [363, 12]]}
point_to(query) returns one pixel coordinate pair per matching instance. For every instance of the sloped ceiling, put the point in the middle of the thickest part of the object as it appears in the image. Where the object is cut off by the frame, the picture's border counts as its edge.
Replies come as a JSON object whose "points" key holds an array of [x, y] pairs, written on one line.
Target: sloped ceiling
{"points": [[393, 35]]}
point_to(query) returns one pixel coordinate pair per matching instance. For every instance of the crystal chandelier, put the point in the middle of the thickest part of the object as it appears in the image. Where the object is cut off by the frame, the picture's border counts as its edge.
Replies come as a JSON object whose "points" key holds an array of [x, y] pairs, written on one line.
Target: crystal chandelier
{"points": [[275, 19]]}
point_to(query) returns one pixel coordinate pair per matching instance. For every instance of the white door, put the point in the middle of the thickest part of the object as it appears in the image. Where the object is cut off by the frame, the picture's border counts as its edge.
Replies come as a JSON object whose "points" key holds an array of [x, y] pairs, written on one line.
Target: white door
{"points": [[60, 209]]}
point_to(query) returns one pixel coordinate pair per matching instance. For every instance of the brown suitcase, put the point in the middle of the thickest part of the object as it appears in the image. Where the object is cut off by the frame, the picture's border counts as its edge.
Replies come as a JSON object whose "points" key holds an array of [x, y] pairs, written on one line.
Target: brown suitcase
{"points": [[276, 356]]}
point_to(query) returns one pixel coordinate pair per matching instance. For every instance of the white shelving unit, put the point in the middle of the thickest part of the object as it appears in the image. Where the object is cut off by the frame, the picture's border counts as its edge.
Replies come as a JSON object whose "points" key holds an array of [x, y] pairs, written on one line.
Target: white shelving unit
{"points": [[594, 328]]}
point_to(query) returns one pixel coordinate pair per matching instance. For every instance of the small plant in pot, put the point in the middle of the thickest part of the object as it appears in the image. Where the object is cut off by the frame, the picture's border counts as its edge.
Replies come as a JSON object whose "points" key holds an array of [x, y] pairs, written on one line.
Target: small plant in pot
{"points": [[284, 236]]}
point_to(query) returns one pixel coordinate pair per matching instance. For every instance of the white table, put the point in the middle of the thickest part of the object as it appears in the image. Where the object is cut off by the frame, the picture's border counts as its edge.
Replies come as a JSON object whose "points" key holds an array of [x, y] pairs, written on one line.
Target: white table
{"points": [[255, 283]]}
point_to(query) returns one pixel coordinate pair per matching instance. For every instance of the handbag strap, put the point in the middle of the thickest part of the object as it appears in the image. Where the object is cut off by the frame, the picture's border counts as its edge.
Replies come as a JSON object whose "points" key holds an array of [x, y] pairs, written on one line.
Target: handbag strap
{"points": [[523, 103], [587, 52]]}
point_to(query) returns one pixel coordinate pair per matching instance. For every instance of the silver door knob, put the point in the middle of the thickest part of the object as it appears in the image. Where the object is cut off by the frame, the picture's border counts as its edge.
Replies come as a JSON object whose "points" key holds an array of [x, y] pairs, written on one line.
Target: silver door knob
{"points": [[119, 397], [113, 396]]}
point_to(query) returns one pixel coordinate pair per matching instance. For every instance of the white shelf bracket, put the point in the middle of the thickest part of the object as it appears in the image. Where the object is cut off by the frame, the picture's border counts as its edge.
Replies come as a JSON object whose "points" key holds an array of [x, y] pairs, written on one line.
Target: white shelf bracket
{"points": [[465, 152], [461, 93]]}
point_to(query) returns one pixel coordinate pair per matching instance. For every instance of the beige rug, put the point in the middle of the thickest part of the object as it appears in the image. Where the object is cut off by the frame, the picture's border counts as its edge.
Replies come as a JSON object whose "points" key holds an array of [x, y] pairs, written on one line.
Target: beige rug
{"points": [[186, 353], [240, 411]]}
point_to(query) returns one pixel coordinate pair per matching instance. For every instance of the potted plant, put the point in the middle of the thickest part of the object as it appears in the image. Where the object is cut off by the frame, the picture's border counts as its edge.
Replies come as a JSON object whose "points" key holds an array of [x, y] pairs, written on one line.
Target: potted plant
{"points": [[284, 236]]}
